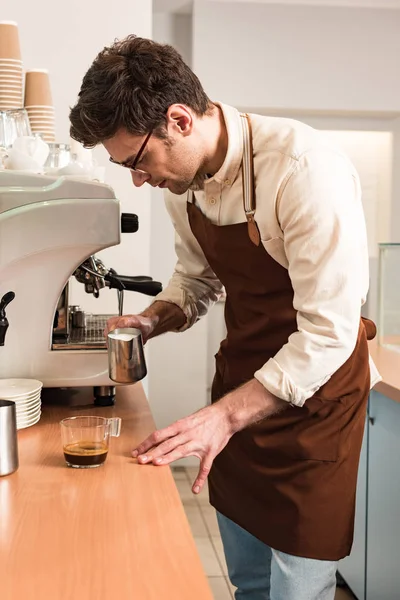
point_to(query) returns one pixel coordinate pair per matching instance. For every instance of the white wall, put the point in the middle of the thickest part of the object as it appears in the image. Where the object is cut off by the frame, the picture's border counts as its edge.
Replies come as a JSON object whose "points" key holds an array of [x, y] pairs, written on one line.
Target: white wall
{"points": [[304, 61], [184, 6], [303, 57], [174, 29], [363, 3], [65, 38], [395, 213]]}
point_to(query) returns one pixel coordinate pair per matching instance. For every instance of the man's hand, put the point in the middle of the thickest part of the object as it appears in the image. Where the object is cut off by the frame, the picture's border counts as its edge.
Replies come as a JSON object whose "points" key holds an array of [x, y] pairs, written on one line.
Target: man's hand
{"points": [[156, 319], [205, 433], [145, 324]]}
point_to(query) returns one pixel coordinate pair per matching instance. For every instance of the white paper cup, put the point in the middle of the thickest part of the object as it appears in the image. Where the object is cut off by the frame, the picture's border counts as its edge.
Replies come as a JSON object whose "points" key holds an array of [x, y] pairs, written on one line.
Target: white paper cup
{"points": [[40, 107], [43, 131], [11, 79], [11, 72], [13, 102], [9, 40], [41, 115], [37, 88], [10, 97], [10, 93], [40, 119], [10, 61], [44, 128], [10, 86], [12, 106], [49, 109], [6, 97], [40, 111], [10, 89]]}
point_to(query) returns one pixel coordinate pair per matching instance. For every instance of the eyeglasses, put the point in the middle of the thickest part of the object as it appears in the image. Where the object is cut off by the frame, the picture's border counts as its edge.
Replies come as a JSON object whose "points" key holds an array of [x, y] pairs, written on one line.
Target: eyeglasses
{"points": [[131, 163]]}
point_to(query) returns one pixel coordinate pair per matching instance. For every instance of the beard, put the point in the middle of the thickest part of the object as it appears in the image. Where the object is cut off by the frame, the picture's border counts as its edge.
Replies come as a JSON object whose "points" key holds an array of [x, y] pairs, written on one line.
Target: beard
{"points": [[187, 180], [180, 187], [197, 183]]}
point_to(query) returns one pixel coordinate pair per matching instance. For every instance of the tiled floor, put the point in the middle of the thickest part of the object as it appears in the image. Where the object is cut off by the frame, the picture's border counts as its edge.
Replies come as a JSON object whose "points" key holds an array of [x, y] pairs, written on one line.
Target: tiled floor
{"points": [[203, 523]]}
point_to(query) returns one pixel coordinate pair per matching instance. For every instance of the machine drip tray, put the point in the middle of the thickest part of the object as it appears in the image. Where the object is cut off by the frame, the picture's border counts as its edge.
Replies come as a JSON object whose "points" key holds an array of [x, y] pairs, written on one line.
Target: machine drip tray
{"points": [[89, 338]]}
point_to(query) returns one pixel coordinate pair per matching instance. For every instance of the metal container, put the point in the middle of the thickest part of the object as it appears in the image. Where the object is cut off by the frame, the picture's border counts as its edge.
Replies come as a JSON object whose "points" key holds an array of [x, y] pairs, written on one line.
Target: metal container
{"points": [[8, 438], [126, 362], [78, 317]]}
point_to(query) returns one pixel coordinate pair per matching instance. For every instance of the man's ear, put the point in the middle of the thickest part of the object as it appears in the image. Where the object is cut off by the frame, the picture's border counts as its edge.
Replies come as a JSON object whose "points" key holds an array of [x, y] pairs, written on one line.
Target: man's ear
{"points": [[179, 120]]}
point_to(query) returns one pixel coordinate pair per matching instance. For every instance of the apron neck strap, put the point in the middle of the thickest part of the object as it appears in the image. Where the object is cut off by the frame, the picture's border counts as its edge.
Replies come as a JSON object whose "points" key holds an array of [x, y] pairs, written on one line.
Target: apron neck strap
{"points": [[249, 195]]}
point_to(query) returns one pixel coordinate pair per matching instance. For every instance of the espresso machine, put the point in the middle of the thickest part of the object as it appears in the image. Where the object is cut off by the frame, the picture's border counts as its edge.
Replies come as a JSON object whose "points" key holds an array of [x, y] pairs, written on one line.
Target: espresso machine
{"points": [[50, 231]]}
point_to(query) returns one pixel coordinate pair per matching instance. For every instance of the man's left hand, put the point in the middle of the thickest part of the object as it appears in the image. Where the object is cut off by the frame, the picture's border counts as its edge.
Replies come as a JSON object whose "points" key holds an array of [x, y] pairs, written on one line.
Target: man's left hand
{"points": [[203, 434]]}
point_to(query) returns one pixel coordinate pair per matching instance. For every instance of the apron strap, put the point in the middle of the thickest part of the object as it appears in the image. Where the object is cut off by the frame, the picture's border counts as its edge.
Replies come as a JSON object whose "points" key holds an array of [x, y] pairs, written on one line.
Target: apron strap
{"points": [[249, 195]]}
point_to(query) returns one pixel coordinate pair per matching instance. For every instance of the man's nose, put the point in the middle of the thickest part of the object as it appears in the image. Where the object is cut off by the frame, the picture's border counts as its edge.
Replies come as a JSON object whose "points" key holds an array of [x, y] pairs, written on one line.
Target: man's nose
{"points": [[139, 178]]}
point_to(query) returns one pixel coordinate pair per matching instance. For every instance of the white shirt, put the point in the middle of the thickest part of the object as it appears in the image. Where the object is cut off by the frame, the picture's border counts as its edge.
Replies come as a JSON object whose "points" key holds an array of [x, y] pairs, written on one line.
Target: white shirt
{"points": [[311, 221]]}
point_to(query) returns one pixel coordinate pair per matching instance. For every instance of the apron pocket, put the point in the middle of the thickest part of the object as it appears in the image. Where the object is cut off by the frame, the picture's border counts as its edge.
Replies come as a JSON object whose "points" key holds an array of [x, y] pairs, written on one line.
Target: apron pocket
{"points": [[312, 432]]}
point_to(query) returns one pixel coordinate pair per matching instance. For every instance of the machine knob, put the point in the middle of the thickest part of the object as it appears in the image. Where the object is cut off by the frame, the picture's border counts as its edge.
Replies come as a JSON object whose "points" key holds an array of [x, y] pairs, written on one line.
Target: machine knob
{"points": [[129, 223], [4, 302]]}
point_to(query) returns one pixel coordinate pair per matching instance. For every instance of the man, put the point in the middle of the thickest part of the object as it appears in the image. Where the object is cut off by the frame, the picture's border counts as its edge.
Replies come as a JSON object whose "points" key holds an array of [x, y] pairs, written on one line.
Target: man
{"points": [[267, 209]]}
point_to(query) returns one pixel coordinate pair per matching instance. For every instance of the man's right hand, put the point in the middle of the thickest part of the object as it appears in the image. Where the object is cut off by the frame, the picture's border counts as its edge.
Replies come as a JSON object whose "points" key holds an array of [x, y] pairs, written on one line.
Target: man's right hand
{"points": [[156, 319], [145, 324]]}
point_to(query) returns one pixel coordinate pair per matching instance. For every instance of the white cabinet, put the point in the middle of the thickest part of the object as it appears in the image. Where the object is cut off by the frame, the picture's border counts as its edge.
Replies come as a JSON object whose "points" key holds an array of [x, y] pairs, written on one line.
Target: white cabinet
{"points": [[353, 567], [372, 570], [383, 522]]}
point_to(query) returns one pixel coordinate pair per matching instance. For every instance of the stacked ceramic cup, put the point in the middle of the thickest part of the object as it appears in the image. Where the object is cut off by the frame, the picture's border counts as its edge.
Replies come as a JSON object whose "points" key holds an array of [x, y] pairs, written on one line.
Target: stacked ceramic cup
{"points": [[39, 103], [11, 76]]}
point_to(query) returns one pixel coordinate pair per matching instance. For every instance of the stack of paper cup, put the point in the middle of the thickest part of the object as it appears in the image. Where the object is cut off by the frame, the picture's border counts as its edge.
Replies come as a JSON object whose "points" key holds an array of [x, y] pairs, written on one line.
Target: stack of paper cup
{"points": [[39, 103], [11, 77]]}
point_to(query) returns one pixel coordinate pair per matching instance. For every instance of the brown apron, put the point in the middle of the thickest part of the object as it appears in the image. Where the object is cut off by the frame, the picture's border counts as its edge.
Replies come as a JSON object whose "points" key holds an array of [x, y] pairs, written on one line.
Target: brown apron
{"points": [[289, 480]]}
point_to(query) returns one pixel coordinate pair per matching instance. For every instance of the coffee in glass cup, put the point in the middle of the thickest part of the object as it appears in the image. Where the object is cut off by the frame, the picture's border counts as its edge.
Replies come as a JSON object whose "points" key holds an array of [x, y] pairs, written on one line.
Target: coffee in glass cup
{"points": [[86, 440]]}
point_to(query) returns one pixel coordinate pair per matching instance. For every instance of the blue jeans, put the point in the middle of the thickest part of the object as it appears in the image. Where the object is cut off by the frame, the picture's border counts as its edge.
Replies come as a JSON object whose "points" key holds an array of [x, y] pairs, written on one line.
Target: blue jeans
{"points": [[262, 573]]}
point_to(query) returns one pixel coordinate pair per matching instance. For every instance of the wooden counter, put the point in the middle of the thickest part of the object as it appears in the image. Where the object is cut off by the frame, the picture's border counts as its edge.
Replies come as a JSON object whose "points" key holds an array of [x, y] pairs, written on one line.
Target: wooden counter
{"points": [[115, 532], [388, 364]]}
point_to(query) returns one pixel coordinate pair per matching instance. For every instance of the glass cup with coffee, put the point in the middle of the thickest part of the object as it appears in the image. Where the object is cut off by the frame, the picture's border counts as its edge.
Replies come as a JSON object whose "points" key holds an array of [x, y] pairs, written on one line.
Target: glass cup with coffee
{"points": [[86, 440]]}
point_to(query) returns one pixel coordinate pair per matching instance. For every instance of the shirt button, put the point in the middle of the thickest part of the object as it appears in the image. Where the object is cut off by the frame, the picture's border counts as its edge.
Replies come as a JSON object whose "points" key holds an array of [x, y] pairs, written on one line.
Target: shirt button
{"points": [[227, 182], [213, 200]]}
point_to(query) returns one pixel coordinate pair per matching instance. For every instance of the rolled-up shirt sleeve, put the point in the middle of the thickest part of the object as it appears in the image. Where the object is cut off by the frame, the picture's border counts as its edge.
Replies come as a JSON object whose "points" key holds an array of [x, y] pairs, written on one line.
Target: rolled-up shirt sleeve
{"points": [[193, 287], [320, 213]]}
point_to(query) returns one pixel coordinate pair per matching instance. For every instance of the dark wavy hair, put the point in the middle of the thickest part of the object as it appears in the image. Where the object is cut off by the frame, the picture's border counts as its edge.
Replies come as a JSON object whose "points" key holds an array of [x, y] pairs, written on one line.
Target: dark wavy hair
{"points": [[131, 85]]}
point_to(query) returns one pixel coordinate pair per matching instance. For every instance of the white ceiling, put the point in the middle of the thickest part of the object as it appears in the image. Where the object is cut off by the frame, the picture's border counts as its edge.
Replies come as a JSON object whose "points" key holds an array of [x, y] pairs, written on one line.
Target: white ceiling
{"points": [[185, 6]]}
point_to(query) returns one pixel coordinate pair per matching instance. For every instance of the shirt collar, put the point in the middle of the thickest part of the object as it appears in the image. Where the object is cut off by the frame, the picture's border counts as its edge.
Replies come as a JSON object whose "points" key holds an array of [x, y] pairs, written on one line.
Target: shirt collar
{"points": [[227, 174]]}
